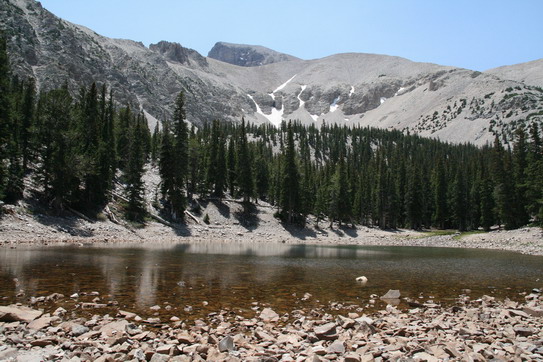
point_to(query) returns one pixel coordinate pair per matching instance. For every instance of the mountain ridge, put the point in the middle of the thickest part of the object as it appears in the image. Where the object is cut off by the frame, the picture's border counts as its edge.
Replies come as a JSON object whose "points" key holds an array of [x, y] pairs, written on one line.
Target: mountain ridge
{"points": [[449, 103]]}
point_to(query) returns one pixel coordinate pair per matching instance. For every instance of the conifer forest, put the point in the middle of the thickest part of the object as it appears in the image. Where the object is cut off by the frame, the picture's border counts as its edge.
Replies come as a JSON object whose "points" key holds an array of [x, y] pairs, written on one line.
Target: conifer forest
{"points": [[77, 146]]}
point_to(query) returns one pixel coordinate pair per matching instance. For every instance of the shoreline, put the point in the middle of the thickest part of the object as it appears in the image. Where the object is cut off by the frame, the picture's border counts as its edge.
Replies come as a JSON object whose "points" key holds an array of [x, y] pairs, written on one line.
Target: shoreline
{"points": [[20, 229], [479, 329]]}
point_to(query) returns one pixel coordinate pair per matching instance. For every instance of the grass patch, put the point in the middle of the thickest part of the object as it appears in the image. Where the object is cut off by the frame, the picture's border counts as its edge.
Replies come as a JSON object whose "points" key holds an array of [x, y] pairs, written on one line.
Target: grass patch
{"points": [[467, 233], [431, 233]]}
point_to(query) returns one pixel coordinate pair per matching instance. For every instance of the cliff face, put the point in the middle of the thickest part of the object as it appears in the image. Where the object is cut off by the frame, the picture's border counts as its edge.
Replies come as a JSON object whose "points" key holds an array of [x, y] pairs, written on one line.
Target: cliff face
{"points": [[247, 55], [450, 103]]}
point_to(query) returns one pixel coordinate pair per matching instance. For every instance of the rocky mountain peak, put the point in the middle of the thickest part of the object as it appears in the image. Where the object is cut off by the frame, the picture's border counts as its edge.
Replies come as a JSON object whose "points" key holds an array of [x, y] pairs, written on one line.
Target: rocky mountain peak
{"points": [[176, 53], [247, 55]]}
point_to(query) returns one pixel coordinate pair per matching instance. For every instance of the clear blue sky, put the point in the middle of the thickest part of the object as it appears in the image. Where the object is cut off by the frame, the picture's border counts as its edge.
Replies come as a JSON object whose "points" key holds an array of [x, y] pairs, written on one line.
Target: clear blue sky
{"points": [[474, 34]]}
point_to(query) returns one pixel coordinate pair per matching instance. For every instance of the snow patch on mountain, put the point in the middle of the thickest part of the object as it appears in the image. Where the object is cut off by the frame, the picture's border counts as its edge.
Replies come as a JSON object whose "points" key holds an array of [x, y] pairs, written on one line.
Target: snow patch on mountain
{"points": [[351, 92], [382, 100], [276, 116], [302, 103]]}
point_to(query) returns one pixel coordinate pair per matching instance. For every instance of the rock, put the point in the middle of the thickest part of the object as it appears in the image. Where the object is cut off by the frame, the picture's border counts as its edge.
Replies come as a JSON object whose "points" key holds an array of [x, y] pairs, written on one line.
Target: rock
{"points": [[132, 329], [226, 344], [268, 315], [264, 336], [43, 342], [392, 294], [14, 313], [93, 305], [533, 311], [518, 313], [155, 308], [113, 328], [523, 331], [337, 347], [184, 338], [362, 279], [39, 323], [78, 329], [167, 349], [8, 353], [326, 331], [59, 311], [352, 357], [423, 356], [127, 315], [157, 357]]}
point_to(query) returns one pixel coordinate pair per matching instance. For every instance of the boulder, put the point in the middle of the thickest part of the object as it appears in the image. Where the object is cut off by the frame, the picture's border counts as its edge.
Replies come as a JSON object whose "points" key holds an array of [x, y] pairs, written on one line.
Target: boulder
{"points": [[113, 328], [268, 315], [39, 323], [337, 347], [226, 344], [14, 313], [326, 331]]}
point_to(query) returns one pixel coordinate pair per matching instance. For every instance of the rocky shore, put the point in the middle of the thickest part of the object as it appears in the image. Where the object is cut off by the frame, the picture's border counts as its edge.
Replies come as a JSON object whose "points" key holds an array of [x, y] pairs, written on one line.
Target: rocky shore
{"points": [[228, 224], [472, 330]]}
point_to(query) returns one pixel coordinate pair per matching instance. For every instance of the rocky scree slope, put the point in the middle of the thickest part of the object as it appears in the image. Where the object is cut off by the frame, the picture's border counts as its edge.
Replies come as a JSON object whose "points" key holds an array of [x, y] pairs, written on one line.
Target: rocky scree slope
{"points": [[450, 103]]}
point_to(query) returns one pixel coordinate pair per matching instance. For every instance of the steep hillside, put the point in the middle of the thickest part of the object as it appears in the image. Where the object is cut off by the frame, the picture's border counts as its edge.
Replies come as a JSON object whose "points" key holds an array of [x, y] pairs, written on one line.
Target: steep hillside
{"points": [[530, 73], [371, 90]]}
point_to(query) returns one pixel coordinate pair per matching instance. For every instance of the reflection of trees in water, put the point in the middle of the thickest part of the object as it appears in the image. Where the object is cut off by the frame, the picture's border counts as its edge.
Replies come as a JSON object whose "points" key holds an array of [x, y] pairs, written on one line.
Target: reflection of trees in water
{"points": [[236, 274]]}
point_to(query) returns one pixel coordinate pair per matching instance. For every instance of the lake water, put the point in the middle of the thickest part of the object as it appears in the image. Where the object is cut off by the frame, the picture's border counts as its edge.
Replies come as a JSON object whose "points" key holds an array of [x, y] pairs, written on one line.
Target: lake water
{"points": [[235, 276]]}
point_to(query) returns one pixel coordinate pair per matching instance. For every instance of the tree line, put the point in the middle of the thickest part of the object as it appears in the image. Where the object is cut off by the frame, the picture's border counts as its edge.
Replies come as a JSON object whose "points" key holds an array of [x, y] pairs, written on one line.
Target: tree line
{"points": [[81, 150]]}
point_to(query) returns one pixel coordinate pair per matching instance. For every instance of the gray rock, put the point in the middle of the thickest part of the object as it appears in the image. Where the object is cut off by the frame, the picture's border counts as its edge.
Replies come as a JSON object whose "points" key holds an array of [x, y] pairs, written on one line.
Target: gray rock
{"points": [[268, 315], [392, 294], [226, 344], [78, 329], [337, 347]]}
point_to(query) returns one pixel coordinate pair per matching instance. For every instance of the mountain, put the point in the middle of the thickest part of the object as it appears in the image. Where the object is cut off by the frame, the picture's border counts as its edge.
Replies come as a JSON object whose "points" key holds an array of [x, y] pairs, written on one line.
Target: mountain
{"points": [[247, 55], [453, 104], [530, 73]]}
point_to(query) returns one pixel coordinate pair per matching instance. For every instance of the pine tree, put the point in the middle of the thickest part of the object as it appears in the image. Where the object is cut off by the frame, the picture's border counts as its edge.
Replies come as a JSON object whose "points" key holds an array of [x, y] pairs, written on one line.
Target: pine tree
{"points": [[245, 179], [135, 209], [290, 188], [440, 192], [231, 167], [340, 203], [5, 114], [176, 191], [414, 199], [504, 189], [57, 171], [487, 204]]}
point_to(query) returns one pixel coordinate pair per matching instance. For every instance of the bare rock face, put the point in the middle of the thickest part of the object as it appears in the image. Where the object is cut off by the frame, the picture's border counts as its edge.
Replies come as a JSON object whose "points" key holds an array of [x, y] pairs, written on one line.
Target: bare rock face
{"points": [[176, 53], [247, 55]]}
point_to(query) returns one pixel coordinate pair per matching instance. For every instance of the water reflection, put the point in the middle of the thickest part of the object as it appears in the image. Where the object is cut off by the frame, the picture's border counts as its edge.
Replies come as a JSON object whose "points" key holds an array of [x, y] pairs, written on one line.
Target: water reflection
{"points": [[235, 275]]}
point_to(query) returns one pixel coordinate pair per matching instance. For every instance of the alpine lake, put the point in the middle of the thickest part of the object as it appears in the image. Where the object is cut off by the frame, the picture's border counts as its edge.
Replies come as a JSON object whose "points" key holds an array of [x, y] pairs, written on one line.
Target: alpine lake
{"points": [[192, 280]]}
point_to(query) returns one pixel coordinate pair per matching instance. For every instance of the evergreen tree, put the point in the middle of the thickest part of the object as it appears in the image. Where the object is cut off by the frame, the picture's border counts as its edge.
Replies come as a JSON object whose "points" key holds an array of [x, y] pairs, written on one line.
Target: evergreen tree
{"points": [[135, 209], [231, 167], [503, 187], [340, 203], [414, 199], [290, 188], [440, 192], [5, 114], [176, 194], [245, 179], [487, 204]]}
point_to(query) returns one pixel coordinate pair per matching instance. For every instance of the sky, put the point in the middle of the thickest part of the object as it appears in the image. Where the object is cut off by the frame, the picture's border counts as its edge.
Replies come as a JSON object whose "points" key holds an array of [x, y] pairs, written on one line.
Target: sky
{"points": [[473, 34]]}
